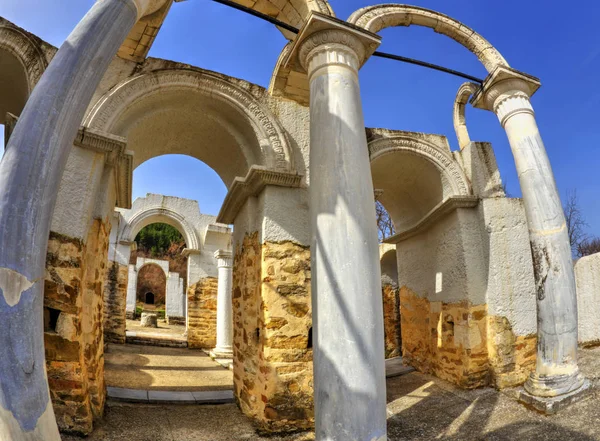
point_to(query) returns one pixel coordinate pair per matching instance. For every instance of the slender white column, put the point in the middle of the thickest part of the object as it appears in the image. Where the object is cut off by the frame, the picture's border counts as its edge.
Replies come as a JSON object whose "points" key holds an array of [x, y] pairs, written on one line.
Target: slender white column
{"points": [[224, 348], [132, 279], [556, 371], [349, 366], [30, 174]]}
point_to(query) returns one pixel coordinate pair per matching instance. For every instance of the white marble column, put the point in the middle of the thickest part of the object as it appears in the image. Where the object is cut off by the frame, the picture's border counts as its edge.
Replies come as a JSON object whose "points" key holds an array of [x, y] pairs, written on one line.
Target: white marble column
{"points": [[132, 279], [30, 174], [349, 367], [224, 348], [508, 93]]}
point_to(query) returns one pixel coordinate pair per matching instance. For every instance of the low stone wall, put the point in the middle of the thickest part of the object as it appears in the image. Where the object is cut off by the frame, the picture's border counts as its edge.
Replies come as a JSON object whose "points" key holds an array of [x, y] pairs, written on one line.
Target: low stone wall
{"points": [[272, 343], [202, 313], [115, 302], [460, 343], [391, 320]]}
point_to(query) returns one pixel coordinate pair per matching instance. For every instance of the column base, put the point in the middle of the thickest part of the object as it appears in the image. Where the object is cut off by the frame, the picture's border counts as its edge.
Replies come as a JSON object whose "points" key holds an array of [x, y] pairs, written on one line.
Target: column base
{"points": [[130, 315], [553, 386], [222, 353], [171, 320], [551, 405]]}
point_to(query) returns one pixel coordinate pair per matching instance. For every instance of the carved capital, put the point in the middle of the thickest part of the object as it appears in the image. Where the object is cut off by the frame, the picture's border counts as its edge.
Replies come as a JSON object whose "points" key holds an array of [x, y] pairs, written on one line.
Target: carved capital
{"points": [[224, 258], [147, 7], [506, 92], [326, 41], [332, 47]]}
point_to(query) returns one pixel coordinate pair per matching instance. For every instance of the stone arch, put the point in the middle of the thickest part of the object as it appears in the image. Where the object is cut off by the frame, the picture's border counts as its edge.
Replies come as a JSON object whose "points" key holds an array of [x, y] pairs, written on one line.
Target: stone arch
{"points": [[456, 180], [465, 91], [292, 12], [423, 177], [231, 114], [22, 64], [153, 215], [378, 17]]}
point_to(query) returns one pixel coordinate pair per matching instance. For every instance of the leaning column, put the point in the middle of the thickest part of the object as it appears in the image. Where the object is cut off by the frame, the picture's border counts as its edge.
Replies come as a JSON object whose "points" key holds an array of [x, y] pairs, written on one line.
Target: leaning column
{"points": [[224, 348], [557, 379], [349, 369], [30, 174]]}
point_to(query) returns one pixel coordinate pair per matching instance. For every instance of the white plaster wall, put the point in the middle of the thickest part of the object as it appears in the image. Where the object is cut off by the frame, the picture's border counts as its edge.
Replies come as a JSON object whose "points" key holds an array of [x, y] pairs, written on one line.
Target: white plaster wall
{"points": [[506, 256], [478, 161], [175, 306], [587, 276], [438, 255], [75, 204], [285, 215]]}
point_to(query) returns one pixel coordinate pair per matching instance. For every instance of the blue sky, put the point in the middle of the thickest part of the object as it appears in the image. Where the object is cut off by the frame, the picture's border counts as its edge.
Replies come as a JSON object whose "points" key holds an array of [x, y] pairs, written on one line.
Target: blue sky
{"points": [[560, 45]]}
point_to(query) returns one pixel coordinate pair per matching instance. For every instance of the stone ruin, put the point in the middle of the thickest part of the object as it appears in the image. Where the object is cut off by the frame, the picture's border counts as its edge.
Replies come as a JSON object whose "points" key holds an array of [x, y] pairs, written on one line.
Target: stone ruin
{"points": [[304, 275]]}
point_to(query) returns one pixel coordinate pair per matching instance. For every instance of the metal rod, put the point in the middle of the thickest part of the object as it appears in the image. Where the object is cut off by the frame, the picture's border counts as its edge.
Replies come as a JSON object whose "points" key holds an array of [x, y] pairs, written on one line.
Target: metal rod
{"points": [[376, 54], [428, 65]]}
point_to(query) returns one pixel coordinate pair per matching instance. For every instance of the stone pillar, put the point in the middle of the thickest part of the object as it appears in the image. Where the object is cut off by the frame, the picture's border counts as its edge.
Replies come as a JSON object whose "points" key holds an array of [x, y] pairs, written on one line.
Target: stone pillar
{"points": [[349, 366], [507, 93], [30, 174], [224, 348], [131, 293]]}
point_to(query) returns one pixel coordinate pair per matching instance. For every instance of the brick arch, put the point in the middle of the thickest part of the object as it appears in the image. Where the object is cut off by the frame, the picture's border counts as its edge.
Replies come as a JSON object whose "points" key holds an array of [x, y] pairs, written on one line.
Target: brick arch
{"points": [[378, 17]]}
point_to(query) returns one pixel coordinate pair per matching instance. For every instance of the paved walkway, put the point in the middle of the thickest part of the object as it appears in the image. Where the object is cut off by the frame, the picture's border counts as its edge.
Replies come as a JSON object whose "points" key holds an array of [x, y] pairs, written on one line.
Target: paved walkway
{"points": [[420, 408], [163, 369]]}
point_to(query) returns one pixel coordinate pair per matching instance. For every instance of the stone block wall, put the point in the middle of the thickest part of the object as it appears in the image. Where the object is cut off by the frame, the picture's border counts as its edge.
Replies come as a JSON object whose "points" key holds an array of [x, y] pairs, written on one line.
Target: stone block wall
{"points": [[461, 343], [587, 276], [73, 316], [391, 320], [96, 259], [115, 302], [67, 373], [272, 334], [202, 313]]}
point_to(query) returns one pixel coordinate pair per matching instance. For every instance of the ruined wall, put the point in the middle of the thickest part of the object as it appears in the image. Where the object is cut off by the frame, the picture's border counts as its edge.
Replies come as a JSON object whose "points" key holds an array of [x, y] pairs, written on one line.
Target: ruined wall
{"points": [[96, 260], [67, 373], [391, 320], [202, 313], [448, 283], [115, 302], [73, 335], [272, 343]]}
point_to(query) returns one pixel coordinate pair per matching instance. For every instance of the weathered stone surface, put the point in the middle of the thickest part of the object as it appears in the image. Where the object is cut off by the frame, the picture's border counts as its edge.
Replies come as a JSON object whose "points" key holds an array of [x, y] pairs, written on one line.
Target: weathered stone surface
{"points": [[74, 343], [115, 299], [272, 327], [149, 320], [391, 320], [202, 313], [460, 343]]}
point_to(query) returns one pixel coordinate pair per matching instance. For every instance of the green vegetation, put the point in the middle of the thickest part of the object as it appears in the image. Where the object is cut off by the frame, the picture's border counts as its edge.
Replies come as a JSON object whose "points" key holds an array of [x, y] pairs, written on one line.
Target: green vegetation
{"points": [[157, 239]]}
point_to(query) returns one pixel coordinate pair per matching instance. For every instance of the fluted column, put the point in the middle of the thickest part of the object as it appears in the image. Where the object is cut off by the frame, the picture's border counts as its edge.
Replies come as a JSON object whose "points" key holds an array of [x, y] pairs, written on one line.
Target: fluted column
{"points": [[508, 93], [224, 348], [349, 372], [30, 174]]}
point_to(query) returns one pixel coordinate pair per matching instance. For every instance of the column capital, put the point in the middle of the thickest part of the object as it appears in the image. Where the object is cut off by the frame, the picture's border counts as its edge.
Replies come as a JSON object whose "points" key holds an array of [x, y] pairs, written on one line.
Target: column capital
{"points": [[325, 40], [506, 92], [224, 258], [147, 7]]}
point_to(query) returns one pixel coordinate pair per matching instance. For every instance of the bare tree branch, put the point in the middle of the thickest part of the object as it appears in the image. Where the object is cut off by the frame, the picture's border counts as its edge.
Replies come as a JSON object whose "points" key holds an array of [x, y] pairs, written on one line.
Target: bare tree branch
{"points": [[575, 222], [385, 226]]}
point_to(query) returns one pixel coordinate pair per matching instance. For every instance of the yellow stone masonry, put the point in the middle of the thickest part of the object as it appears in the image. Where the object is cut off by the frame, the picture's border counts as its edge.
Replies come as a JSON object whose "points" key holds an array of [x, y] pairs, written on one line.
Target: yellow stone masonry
{"points": [[460, 343]]}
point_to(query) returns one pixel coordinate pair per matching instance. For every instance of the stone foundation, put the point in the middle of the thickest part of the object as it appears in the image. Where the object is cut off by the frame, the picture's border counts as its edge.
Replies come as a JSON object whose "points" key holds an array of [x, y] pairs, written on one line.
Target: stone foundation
{"points": [[391, 321], [73, 335], [202, 314], [115, 301], [272, 334], [67, 373], [460, 343], [176, 320]]}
